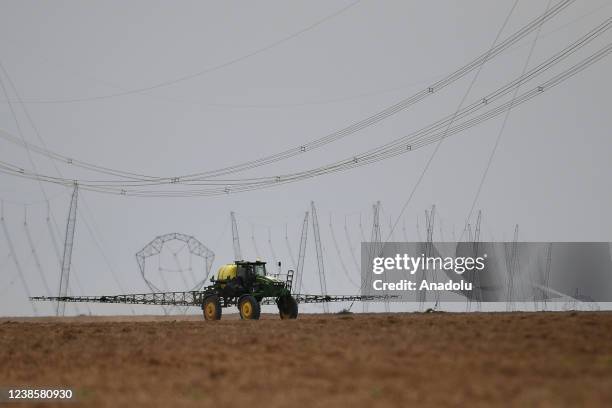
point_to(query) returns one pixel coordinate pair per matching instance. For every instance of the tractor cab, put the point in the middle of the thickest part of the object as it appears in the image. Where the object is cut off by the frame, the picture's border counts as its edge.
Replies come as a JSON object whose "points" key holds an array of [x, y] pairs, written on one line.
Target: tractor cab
{"points": [[246, 268], [240, 276], [248, 272]]}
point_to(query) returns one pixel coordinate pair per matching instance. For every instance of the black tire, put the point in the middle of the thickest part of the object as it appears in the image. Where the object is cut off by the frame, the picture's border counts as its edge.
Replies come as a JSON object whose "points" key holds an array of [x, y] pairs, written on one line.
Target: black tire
{"points": [[249, 308], [287, 307], [211, 307]]}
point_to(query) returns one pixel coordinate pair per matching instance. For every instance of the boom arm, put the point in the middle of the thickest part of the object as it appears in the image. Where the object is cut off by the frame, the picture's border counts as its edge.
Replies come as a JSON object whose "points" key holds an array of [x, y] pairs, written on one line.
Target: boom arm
{"points": [[195, 298]]}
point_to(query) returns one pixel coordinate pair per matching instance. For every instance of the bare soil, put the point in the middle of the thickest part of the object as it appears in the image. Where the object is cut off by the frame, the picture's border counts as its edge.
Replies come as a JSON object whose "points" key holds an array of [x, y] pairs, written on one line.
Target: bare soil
{"points": [[375, 360]]}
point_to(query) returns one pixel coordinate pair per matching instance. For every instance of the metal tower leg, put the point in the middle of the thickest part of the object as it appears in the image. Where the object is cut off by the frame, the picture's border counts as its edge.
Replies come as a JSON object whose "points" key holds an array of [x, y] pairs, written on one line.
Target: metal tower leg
{"points": [[301, 254], [235, 238], [319, 250], [68, 244]]}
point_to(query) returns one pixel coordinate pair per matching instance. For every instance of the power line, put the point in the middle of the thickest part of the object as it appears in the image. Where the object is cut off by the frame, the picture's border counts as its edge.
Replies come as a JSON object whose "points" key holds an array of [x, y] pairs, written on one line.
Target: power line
{"points": [[350, 246], [404, 144], [91, 230], [346, 164], [437, 147], [326, 101], [339, 254], [421, 138], [9, 241], [334, 136], [209, 70], [34, 253], [417, 138], [37, 133], [289, 250], [502, 128]]}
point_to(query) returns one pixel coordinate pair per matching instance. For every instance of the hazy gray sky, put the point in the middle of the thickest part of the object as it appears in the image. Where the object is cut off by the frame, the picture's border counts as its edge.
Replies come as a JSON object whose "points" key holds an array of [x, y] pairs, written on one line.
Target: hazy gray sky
{"points": [[549, 174]]}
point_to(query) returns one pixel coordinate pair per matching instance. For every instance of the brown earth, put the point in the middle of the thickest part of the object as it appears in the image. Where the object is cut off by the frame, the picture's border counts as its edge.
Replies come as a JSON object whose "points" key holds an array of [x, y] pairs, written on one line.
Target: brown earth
{"points": [[376, 360]]}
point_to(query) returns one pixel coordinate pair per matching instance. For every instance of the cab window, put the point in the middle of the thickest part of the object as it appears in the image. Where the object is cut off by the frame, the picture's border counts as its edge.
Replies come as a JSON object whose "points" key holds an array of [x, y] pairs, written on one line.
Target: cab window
{"points": [[260, 270]]}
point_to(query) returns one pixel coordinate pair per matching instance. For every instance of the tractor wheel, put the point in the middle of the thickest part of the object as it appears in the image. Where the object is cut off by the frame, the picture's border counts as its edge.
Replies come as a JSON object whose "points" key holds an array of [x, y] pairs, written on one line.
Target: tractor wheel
{"points": [[212, 308], [249, 308], [287, 307]]}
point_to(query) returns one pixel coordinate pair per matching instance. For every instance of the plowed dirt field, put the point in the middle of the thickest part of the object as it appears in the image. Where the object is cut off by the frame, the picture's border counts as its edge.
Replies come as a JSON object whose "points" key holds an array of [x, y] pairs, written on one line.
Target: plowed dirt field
{"points": [[371, 360]]}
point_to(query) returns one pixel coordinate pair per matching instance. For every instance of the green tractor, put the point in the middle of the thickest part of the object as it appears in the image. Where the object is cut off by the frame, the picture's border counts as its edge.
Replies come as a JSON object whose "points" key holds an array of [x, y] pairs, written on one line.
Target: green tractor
{"points": [[246, 285]]}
